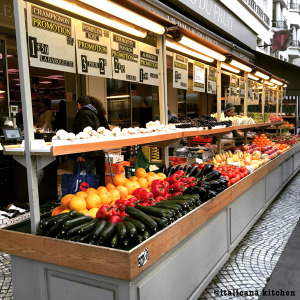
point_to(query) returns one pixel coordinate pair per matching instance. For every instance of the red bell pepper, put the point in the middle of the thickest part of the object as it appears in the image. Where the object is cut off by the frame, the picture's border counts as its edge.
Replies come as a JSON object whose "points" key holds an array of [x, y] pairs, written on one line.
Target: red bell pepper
{"points": [[158, 188], [115, 211], [176, 194], [137, 191], [123, 214], [159, 198], [114, 219], [104, 212], [146, 196], [177, 187], [169, 195], [144, 204], [180, 172], [174, 178], [166, 184]]}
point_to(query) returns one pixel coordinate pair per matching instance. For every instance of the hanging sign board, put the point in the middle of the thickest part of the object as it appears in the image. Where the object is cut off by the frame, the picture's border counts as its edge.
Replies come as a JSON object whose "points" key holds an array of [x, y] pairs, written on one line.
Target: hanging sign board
{"points": [[232, 95], [51, 39], [242, 87], [212, 80], [198, 77], [125, 58], [149, 68], [256, 93], [180, 72], [267, 94], [93, 50], [250, 91]]}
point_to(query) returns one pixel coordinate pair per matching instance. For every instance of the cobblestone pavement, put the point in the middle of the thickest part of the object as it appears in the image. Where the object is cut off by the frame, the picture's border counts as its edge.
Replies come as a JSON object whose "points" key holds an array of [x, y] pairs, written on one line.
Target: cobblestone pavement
{"points": [[253, 260], [250, 264]]}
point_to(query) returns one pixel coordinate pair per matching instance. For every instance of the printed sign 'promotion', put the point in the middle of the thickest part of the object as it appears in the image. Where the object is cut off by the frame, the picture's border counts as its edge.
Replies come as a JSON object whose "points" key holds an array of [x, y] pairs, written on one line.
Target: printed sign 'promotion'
{"points": [[93, 50], [125, 58], [149, 68], [212, 80], [198, 77], [51, 39], [180, 72]]}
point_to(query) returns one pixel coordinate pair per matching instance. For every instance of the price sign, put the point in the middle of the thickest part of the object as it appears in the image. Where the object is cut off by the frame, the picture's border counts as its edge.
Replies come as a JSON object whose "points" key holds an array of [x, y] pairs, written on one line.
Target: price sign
{"points": [[125, 58], [149, 68], [242, 87], [198, 77], [180, 72], [93, 50], [212, 80], [50, 39]]}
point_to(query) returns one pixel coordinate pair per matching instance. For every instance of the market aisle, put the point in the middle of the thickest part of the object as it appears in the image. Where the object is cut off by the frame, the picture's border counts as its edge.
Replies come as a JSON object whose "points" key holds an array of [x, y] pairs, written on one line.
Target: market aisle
{"points": [[6, 292], [252, 262]]}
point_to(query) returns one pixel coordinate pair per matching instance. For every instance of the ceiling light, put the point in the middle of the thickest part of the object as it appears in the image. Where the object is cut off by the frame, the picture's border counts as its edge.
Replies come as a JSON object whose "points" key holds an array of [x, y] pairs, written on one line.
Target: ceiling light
{"points": [[188, 51], [118, 96], [241, 66], [126, 14], [276, 81], [202, 49], [253, 77], [269, 83], [285, 85], [96, 17], [262, 75], [230, 68]]}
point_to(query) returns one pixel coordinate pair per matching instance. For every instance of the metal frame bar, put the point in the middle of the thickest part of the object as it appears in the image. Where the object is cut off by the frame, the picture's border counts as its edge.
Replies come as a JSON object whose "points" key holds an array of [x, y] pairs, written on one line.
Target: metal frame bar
{"points": [[246, 94], [219, 101]]}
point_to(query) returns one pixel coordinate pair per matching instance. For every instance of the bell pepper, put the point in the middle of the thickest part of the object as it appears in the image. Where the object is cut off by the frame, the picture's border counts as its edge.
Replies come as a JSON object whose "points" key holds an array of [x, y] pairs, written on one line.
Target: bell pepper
{"points": [[144, 204], [177, 187], [115, 210], [166, 184], [174, 178], [159, 198], [114, 219], [146, 196], [180, 172], [158, 188], [104, 212], [123, 214], [176, 194], [137, 192], [156, 181], [124, 203], [169, 195]]}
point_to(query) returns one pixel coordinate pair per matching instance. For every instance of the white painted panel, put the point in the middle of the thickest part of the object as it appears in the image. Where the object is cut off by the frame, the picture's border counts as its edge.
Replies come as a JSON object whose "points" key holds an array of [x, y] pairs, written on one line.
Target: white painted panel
{"points": [[287, 169], [297, 161], [273, 182]]}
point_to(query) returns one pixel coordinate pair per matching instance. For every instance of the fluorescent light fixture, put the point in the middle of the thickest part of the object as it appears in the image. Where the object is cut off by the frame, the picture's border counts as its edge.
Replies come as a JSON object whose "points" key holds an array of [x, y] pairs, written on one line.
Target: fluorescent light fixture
{"points": [[285, 85], [2, 92], [241, 66], [276, 81], [252, 77], [230, 68], [261, 75], [118, 96], [126, 14], [188, 51], [269, 83], [96, 17], [202, 49]]}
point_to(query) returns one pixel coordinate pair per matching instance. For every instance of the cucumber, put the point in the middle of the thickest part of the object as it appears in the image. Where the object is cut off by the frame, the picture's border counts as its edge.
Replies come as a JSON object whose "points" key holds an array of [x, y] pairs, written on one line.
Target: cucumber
{"points": [[146, 235], [68, 224], [178, 216], [179, 207], [48, 222], [62, 218], [131, 229], [138, 225], [108, 231], [141, 216], [75, 230], [162, 222], [184, 212], [169, 206], [156, 211], [121, 230], [186, 196], [85, 238], [139, 238], [54, 229], [114, 240], [99, 227], [74, 238], [183, 203], [74, 213], [125, 242], [87, 228]]}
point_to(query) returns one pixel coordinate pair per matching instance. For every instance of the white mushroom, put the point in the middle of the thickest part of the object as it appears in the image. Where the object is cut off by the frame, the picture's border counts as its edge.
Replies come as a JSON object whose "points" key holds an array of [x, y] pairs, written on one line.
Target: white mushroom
{"points": [[71, 136], [87, 130], [100, 129]]}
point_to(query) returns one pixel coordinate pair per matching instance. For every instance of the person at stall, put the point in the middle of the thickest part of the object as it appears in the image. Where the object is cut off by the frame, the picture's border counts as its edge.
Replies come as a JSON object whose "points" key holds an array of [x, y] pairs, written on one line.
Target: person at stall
{"points": [[87, 115], [45, 115], [60, 121], [229, 111]]}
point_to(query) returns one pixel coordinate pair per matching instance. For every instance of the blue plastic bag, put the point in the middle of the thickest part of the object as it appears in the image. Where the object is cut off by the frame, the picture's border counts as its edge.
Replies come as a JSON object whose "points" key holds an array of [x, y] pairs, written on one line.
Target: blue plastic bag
{"points": [[80, 181]]}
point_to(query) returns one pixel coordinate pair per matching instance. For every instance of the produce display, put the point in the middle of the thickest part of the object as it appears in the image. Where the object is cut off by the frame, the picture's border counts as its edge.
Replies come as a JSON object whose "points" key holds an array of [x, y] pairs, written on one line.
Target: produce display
{"points": [[236, 120], [109, 216], [286, 127], [273, 118], [289, 140]]}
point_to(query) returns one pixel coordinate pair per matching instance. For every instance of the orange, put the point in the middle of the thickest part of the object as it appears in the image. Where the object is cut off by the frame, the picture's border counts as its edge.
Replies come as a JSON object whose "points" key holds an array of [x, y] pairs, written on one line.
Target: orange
{"points": [[105, 196], [151, 173], [65, 210], [149, 179], [57, 210], [142, 182], [91, 191], [77, 203], [93, 201], [85, 212], [110, 186], [126, 181], [64, 202], [131, 186], [81, 194], [133, 178], [123, 191], [129, 196], [161, 176], [119, 179], [115, 194], [100, 188], [93, 212], [140, 172]]}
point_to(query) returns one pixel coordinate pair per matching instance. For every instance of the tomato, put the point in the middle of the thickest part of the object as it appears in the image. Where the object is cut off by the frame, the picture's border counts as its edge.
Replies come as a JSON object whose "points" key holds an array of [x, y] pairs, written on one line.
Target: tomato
{"points": [[246, 172], [242, 175], [229, 174], [228, 184], [238, 177], [243, 169], [233, 180], [227, 178]]}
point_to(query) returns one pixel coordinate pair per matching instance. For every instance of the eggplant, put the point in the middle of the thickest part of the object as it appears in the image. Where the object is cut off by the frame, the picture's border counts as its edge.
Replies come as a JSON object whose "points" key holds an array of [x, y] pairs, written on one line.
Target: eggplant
{"points": [[170, 171], [193, 171], [205, 170], [202, 192], [214, 185], [163, 169], [197, 175], [187, 169], [213, 175], [178, 167], [191, 190], [211, 194]]}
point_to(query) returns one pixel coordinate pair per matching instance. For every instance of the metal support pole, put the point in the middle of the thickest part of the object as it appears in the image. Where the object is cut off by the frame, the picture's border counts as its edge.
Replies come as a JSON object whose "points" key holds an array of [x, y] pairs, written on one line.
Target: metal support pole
{"points": [[27, 113], [281, 96], [246, 95], [277, 101], [162, 90], [263, 98], [219, 102]]}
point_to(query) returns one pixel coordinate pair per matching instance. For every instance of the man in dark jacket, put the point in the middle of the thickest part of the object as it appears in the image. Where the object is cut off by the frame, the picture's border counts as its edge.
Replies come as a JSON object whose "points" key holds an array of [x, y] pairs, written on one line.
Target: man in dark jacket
{"points": [[86, 116]]}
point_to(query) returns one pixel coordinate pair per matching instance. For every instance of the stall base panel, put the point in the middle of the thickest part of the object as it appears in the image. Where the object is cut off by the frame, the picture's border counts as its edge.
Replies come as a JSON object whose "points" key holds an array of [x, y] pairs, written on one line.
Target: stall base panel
{"points": [[296, 161], [186, 268], [273, 182], [287, 169], [245, 208]]}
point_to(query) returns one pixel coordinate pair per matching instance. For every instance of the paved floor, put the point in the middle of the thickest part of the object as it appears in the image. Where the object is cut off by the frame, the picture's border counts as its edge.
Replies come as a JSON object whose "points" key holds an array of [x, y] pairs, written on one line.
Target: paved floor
{"points": [[251, 263]]}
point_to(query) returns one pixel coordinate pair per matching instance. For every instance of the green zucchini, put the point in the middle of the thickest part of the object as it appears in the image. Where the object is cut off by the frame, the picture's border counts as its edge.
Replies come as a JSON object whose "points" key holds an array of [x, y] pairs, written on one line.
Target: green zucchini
{"points": [[99, 227], [146, 234], [87, 228], [74, 213], [74, 238], [138, 224], [186, 196], [156, 211], [54, 229], [48, 222], [121, 230], [183, 203], [100, 242], [85, 238], [169, 206], [114, 240], [108, 231], [131, 229], [59, 235], [139, 238], [141, 216], [62, 218], [125, 242], [178, 216], [68, 224], [162, 222], [92, 241], [184, 212], [75, 230]]}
